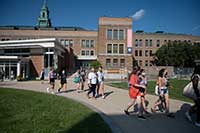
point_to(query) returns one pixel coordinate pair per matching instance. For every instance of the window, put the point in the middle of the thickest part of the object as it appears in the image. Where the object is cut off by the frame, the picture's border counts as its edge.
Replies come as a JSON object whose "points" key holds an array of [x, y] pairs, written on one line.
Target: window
{"points": [[121, 34], [146, 62], [115, 62], [140, 53], [140, 43], [109, 48], [115, 34], [136, 53], [83, 44], [165, 41], [62, 42], [158, 43], [121, 48], [146, 53], [109, 34], [92, 43], [68, 43], [146, 43], [87, 43], [92, 53], [150, 43], [108, 62], [150, 53], [87, 52], [122, 62], [136, 43], [83, 52], [115, 48], [140, 62]]}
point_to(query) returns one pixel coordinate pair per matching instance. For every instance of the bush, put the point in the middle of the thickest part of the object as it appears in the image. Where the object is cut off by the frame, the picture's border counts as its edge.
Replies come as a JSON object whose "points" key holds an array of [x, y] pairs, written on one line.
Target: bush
{"points": [[20, 78]]}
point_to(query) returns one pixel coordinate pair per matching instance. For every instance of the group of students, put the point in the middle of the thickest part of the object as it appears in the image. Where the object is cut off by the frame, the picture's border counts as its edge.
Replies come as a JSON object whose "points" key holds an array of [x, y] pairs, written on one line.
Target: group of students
{"points": [[52, 76], [95, 82], [138, 89]]}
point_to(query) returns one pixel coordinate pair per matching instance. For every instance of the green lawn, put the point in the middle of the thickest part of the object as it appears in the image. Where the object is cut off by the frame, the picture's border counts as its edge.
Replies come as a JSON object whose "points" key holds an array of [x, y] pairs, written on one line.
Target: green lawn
{"points": [[175, 91], [27, 111]]}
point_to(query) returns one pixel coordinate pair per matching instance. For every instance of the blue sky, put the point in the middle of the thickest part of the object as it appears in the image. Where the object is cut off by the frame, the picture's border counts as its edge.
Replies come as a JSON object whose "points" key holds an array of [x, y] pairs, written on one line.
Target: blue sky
{"points": [[173, 16]]}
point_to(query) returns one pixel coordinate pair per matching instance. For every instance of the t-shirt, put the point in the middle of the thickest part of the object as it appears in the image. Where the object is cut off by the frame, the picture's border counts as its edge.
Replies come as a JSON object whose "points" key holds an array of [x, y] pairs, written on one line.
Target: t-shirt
{"points": [[92, 78], [100, 76], [133, 81]]}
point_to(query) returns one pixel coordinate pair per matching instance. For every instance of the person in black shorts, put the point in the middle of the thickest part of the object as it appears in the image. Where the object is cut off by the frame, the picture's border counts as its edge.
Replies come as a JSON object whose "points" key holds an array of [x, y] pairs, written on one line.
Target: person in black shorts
{"points": [[63, 81]]}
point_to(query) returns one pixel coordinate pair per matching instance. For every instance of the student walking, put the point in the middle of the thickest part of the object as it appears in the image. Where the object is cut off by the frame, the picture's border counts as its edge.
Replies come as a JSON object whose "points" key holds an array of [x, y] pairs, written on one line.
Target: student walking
{"points": [[77, 79], [134, 93], [52, 77], [92, 82], [100, 86], [163, 85], [82, 78], [195, 109], [63, 81], [42, 76]]}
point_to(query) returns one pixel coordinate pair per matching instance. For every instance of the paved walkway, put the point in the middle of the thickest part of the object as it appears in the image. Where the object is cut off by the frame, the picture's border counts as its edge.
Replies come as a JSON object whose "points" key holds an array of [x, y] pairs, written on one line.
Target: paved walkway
{"points": [[111, 109]]}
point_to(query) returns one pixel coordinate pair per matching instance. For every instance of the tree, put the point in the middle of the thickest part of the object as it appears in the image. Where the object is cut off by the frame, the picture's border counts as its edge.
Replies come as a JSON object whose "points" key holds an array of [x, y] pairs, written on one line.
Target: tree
{"points": [[178, 54], [95, 64]]}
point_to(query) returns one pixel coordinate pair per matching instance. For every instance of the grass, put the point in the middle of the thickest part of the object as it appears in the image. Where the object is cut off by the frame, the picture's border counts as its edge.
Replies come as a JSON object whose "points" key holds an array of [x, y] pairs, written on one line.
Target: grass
{"points": [[27, 111], [175, 91]]}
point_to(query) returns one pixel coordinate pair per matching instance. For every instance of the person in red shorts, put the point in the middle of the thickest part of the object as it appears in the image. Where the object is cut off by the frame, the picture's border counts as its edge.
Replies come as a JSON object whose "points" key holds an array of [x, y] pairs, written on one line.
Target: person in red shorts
{"points": [[134, 92]]}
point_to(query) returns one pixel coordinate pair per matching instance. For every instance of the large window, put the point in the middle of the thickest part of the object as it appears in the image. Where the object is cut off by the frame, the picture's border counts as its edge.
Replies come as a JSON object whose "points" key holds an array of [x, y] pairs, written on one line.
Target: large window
{"points": [[87, 52], [115, 48], [109, 34], [136, 53], [121, 34], [115, 34], [136, 43], [115, 62], [122, 62], [67, 43], [109, 48], [108, 62], [121, 48], [87, 43], [140, 53], [140, 43], [158, 43]]}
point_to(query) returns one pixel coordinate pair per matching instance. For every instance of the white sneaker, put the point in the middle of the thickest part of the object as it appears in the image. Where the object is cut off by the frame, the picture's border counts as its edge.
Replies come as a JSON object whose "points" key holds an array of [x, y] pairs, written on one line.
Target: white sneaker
{"points": [[48, 89], [188, 116], [197, 124], [52, 92], [103, 97]]}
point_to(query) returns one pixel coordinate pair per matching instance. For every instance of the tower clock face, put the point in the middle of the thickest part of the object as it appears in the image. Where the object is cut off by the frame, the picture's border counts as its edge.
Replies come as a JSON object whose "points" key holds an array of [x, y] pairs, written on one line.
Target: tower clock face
{"points": [[129, 50]]}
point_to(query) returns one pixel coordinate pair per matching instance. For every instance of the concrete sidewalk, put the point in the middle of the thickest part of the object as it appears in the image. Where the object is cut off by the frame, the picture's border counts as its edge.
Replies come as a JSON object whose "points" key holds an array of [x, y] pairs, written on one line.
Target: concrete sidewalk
{"points": [[111, 109]]}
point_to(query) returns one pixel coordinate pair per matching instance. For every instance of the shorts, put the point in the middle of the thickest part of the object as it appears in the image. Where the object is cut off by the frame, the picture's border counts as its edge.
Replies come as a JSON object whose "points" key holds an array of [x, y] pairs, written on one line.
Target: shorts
{"points": [[63, 81], [133, 93], [164, 91], [52, 81], [142, 90]]}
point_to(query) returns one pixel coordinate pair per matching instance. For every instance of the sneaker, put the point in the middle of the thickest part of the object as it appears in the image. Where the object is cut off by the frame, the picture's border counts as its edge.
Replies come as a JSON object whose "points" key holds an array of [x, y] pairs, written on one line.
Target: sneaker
{"points": [[197, 124], [103, 97], [48, 89], [188, 116], [52, 92], [59, 90], [141, 117], [126, 112], [88, 96]]}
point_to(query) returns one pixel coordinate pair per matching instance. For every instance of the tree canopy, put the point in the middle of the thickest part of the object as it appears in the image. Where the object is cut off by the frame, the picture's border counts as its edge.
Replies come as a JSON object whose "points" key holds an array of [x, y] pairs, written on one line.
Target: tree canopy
{"points": [[178, 54]]}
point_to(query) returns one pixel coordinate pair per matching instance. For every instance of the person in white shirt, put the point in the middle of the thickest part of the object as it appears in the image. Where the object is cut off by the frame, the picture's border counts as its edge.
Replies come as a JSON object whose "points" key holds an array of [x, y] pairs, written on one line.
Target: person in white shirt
{"points": [[100, 88], [92, 82]]}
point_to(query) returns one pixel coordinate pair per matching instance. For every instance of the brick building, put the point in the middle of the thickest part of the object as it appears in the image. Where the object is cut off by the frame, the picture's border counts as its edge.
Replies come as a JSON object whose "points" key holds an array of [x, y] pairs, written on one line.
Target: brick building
{"points": [[114, 44]]}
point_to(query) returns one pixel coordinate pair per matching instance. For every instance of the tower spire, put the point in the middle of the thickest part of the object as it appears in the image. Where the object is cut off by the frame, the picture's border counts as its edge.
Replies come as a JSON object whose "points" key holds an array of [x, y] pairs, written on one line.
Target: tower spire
{"points": [[43, 19]]}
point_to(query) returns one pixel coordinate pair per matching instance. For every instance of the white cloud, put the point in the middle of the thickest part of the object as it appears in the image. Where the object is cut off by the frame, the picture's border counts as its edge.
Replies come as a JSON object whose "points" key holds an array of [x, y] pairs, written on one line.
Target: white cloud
{"points": [[138, 15], [196, 28]]}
